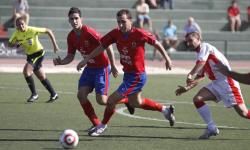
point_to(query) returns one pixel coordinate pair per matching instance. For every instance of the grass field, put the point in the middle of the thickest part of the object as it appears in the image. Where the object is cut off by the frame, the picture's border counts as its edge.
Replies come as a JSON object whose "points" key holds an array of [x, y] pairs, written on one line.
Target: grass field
{"points": [[38, 125]]}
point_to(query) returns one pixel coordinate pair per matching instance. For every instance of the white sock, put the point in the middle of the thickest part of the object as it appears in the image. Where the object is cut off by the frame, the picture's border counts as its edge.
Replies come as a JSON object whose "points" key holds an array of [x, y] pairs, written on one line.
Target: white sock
{"points": [[206, 115]]}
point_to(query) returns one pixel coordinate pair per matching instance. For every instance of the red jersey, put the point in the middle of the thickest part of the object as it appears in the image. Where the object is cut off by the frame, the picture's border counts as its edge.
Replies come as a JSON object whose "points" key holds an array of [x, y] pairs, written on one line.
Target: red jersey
{"points": [[233, 11], [131, 47], [85, 44]]}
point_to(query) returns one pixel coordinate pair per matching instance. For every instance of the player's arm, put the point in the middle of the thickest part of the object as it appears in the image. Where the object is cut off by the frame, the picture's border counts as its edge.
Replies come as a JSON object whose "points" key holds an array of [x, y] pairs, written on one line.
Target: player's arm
{"points": [[52, 37], [111, 56], [164, 54], [241, 77], [94, 53], [182, 89], [68, 59], [191, 77]]}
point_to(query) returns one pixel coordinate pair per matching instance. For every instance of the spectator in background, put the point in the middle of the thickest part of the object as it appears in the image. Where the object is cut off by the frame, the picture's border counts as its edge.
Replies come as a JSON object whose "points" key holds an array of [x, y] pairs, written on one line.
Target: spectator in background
{"points": [[170, 4], [191, 25], [142, 11], [233, 13], [152, 4], [170, 39], [20, 8], [248, 14]]}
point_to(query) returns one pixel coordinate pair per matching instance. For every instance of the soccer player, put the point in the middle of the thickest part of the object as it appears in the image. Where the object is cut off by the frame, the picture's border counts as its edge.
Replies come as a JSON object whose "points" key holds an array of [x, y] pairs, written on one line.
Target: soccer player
{"points": [[130, 43], [222, 88], [241, 77], [27, 37], [96, 74]]}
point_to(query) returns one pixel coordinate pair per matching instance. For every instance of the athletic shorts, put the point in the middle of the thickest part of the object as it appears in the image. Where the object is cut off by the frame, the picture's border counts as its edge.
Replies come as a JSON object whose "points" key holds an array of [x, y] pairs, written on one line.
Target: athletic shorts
{"points": [[96, 78], [132, 83], [227, 90], [36, 59]]}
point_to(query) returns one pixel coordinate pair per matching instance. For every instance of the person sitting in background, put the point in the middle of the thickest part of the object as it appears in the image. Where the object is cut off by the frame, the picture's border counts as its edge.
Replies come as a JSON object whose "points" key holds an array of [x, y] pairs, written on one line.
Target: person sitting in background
{"points": [[248, 14], [170, 39], [191, 25], [170, 4], [20, 8], [142, 11], [233, 13], [152, 4]]}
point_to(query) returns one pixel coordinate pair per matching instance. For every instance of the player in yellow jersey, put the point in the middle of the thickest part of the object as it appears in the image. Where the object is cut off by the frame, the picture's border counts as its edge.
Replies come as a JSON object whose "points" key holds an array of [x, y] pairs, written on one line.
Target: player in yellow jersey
{"points": [[27, 37]]}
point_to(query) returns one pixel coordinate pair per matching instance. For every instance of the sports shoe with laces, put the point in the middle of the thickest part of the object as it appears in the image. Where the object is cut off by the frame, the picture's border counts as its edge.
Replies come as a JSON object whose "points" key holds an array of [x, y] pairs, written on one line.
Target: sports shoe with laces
{"points": [[53, 98], [131, 109], [98, 130], [208, 133], [32, 98], [91, 129], [169, 115]]}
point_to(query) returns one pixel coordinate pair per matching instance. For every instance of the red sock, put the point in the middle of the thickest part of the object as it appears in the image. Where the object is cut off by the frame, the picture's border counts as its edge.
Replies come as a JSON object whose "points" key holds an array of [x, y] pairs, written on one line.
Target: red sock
{"points": [[90, 112], [108, 113], [149, 104], [248, 114], [123, 101], [199, 104]]}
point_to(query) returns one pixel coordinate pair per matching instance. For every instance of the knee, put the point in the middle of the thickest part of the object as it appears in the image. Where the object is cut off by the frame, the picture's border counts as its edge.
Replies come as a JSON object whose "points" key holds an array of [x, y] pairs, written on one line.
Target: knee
{"points": [[102, 102], [82, 96], [198, 102]]}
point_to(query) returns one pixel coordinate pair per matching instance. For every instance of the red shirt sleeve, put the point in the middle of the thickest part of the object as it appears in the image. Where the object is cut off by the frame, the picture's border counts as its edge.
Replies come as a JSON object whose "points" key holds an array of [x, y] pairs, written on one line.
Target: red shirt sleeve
{"points": [[148, 37], [108, 39]]}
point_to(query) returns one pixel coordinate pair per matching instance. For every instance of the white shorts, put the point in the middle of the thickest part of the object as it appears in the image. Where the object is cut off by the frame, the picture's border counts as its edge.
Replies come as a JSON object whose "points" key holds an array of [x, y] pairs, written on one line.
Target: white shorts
{"points": [[227, 90]]}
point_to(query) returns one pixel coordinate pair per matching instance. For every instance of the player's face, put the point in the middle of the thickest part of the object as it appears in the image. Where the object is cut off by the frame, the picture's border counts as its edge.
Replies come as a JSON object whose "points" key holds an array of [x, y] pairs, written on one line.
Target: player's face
{"points": [[75, 20], [20, 25], [124, 23], [193, 41]]}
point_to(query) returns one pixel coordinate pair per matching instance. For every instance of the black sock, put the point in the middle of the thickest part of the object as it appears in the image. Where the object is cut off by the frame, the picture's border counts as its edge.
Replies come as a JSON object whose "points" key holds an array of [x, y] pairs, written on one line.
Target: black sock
{"points": [[48, 86], [31, 84]]}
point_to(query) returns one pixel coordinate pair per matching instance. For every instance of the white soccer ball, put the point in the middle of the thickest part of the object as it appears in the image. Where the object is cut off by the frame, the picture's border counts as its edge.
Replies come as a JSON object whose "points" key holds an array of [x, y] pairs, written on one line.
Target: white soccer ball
{"points": [[69, 139]]}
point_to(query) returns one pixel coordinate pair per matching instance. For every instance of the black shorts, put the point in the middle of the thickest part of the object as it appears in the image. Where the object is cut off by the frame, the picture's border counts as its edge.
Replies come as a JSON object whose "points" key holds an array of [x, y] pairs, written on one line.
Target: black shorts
{"points": [[36, 59]]}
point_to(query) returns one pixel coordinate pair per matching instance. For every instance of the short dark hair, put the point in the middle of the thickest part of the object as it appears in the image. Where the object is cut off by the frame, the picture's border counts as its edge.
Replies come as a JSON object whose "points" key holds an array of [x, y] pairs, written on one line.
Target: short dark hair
{"points": [[124, 11], [73, 10]]}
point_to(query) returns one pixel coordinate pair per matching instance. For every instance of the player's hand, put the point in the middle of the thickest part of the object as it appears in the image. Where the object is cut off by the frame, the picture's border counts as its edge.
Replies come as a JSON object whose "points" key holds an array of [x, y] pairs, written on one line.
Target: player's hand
{"points": [[81, 64], [56, 48], [180, 90], [114, 71], [222, 69], [57, 61], [168, 65]]}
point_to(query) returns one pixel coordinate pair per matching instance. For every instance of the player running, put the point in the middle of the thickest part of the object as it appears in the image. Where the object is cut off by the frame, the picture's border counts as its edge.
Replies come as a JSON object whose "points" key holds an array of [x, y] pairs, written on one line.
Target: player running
{"points": [[96, 74], [130, 43], [222, 88], [27, 37]]}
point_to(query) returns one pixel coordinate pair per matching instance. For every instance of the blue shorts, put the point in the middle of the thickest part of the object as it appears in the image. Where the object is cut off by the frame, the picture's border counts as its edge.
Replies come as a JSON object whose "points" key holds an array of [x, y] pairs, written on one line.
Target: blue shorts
{"points": [[132, 83], [96, 78]]}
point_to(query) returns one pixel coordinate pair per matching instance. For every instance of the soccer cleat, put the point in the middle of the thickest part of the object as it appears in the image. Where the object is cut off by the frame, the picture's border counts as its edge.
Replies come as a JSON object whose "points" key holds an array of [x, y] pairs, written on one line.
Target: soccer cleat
{"points": [[32, 98], [169, 115], [91, 129], [53, 98], [208, 132], [131, 109], [98, 130]]}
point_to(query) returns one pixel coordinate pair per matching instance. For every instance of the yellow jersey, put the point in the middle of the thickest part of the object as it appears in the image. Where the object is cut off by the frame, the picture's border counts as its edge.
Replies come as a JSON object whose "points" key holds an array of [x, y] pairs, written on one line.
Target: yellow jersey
{"points": [[28, 39]]}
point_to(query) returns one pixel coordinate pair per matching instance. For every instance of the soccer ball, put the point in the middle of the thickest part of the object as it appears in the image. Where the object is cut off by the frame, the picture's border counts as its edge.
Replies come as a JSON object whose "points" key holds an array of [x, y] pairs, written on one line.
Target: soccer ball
{"points": [[69, 139]]}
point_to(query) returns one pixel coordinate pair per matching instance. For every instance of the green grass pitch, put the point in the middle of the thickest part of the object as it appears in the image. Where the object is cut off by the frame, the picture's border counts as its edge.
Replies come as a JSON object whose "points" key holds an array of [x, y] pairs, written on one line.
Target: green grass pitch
{"points": [[38, 125]]}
